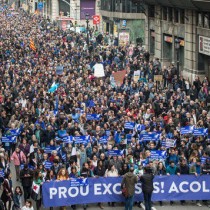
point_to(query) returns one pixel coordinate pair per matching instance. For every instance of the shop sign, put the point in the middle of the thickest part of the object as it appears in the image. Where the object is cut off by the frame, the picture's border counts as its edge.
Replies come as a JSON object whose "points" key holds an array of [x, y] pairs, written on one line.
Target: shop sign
{"points": [[204, 45]]}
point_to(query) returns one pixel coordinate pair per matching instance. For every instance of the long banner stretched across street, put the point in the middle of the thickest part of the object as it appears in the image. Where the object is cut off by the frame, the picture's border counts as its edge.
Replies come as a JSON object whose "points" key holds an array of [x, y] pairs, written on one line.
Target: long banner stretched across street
{"points": [[93, 190]]}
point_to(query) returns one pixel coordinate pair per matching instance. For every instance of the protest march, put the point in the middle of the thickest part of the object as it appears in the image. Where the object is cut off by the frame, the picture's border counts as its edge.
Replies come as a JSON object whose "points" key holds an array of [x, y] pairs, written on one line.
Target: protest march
{"points": [[75, 118]]}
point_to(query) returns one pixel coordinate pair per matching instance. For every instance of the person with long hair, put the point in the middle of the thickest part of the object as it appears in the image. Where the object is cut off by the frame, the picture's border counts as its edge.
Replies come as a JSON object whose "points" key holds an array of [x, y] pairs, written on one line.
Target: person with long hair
{"points": [[6, 196], [62, 175], [38, 179], [17, 198]]}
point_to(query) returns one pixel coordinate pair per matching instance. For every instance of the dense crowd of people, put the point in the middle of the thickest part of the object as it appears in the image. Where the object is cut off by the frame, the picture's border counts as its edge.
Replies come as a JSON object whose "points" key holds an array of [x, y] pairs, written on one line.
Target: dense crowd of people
{"points": [[40, 117]]}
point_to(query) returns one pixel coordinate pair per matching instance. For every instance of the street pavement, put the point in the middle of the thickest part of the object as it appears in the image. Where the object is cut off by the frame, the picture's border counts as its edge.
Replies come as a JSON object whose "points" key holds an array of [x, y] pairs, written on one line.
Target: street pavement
{"points": [[190, 205]]}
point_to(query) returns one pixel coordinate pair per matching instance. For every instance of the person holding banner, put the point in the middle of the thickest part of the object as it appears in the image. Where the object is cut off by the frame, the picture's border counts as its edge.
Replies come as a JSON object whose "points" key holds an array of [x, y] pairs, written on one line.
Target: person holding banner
{"points": [[128, 182]]}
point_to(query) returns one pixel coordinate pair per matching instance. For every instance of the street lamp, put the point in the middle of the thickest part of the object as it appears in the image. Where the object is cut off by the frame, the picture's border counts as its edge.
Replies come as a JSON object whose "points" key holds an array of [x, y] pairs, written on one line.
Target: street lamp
{"points": [[87, 16], [177, 47]]}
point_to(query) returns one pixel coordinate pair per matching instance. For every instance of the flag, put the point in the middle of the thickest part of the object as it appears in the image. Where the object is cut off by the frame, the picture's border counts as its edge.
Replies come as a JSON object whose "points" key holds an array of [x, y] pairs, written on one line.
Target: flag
{"points": [[53, 87], [32, 45], [35, 191]]}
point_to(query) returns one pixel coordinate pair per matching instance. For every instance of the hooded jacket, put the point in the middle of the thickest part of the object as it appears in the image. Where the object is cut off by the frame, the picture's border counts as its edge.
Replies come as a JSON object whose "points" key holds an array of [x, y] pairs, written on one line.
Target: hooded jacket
{"points": [[129, 181]]}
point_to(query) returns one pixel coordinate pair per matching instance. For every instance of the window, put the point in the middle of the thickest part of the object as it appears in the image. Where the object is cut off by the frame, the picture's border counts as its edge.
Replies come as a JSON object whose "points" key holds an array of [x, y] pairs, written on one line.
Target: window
{"points": [[164, 13], [170, 14], [206, 20], [151, 11], [200, 19], [182, 16], [176, 15]]}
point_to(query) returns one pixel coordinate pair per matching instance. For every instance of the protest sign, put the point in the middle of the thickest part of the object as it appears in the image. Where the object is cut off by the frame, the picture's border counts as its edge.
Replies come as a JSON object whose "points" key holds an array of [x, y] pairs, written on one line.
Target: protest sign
{"points": [[184, 187], [136, 76], [119, 77], [98, 70]]}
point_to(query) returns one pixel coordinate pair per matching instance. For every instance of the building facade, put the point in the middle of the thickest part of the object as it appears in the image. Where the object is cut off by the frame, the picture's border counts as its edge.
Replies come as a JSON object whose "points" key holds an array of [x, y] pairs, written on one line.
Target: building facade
{"points": [[73, 9], [187, 21], [123, 16]]}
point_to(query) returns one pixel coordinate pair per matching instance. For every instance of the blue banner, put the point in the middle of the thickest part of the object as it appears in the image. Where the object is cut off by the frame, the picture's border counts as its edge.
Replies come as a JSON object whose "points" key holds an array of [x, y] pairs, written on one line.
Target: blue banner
{"points": [[187, 130], [78, 182], [67, 139], [81, 139], [149, 137], [9, 139], [115, 152], [93, 116], [158, 155], [167, 143], [200, 132], [129, 125], [140, 127], [128, 137], [168, 188], [48, 164], [103, 140]]}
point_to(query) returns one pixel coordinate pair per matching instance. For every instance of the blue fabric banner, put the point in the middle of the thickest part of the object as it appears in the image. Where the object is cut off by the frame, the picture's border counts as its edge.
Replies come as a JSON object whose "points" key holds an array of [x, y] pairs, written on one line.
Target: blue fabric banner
{"points": [[149, 137], [81, 139], [103, 140], [168, 188], [129, 125], [158, 155], [78, 182], [187, 130], [200, 132], [140, 127], [115, 152], [93, 116], [48, 164], [9, 139], [128, 137]]}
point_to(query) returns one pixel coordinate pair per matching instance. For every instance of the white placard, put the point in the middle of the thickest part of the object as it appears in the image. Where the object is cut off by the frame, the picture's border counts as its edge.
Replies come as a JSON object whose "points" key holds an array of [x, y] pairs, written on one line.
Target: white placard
{"points": [[98, 70]]}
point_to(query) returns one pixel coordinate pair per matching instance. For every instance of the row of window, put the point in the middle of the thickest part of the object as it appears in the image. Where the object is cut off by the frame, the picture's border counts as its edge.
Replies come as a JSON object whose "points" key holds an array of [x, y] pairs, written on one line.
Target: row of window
{"points": [[178, 16], [125, 6], [168, 13], [203, 20]]}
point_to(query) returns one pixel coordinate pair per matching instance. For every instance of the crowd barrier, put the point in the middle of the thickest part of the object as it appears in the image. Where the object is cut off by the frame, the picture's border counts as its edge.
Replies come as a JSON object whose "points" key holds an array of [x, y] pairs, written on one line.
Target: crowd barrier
{"points": [[166, 188]]}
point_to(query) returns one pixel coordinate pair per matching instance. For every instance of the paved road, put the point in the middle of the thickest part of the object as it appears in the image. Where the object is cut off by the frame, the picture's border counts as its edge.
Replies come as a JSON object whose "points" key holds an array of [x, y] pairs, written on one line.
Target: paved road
{"points": [[166, 206]]}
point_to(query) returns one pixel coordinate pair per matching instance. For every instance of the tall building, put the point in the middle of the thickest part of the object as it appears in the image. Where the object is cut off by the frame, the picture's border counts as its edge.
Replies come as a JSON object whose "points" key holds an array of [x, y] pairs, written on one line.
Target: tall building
{"points": [[74, 9], [124, 16], [180, 28]]}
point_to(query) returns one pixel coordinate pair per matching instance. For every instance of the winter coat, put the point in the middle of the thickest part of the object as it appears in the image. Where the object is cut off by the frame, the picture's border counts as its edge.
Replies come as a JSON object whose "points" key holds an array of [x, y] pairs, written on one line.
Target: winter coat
{"points": [[129, 181], [147, 183], [18, 160]]}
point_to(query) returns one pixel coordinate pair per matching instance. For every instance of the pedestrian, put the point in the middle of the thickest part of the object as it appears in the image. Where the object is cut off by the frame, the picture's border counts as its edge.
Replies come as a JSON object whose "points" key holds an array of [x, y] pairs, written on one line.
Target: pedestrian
{"points": [[19, 158], [128, 182], [17, 198], [26, 176], [147, 187], [6, 196]]}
